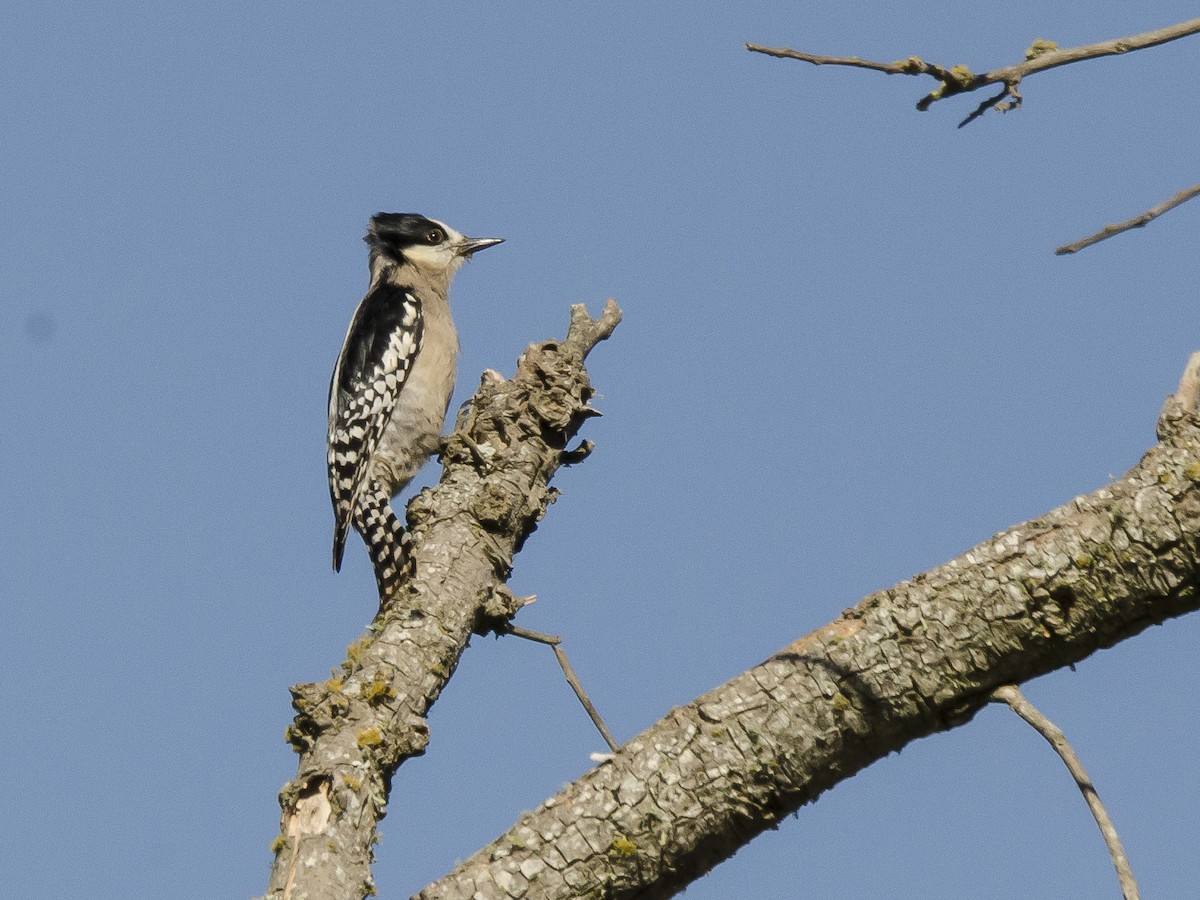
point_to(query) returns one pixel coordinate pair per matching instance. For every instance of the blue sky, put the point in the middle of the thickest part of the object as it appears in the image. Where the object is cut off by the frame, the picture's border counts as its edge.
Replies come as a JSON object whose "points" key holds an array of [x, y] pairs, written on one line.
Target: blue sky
{"points": [[848, 354]]}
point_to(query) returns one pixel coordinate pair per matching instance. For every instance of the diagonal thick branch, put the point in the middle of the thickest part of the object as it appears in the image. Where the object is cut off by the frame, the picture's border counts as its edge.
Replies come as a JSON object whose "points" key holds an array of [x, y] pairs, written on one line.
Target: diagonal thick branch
{"points": [[918, 658], [1040, 56], [354, 730]]}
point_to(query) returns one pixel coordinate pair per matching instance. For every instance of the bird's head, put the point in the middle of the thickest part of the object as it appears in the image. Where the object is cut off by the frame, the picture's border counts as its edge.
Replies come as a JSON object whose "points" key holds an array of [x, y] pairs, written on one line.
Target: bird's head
{"points": [[427, 244]]}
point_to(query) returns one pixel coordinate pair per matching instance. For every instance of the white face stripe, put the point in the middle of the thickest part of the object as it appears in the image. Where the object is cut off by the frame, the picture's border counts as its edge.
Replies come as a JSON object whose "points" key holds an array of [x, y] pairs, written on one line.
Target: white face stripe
{"points": [[443, 256]]}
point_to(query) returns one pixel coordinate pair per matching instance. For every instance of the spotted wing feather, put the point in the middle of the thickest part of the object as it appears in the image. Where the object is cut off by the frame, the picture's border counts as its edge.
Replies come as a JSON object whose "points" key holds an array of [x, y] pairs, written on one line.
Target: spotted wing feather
{"points": [[377, 357]]}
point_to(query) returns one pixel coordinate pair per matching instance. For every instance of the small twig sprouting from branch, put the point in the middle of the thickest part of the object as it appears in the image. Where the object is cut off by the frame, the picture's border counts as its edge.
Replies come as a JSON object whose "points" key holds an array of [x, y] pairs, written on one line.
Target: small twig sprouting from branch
{"points": [[1136, 222], [579, 454], [555, 642], [1012, 696], [1009, 90], [1040, 56]]}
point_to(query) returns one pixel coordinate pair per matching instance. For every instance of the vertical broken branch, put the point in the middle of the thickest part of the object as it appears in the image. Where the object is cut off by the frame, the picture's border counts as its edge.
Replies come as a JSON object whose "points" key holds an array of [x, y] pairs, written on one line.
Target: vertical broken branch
{"points": [[355, 729]]}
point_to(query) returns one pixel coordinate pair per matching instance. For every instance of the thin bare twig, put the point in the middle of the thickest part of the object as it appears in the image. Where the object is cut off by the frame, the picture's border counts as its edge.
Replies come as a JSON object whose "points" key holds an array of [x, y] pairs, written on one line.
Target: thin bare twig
{"points": [[1040, 56], [1136, 222], [1012, 696], [555, 642]]}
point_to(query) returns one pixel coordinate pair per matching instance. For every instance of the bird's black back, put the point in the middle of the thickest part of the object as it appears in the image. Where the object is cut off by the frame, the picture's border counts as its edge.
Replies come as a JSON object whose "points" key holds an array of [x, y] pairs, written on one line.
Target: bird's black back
{"points": [[378, 318]]}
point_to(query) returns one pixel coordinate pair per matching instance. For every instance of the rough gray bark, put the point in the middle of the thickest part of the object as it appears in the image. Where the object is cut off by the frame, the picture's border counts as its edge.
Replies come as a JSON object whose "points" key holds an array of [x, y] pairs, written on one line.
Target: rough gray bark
{"points": [[353, 731], [918, 658]]}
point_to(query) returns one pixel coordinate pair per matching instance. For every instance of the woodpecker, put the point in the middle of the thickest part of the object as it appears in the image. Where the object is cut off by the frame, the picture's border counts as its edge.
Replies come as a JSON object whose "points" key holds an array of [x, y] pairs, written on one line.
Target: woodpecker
{"points": [[392, 383]]}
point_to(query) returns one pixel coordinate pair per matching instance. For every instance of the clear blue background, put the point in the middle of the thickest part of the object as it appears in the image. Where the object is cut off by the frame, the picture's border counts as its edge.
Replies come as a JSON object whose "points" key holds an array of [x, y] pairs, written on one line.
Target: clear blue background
{"points": [[848, 355]]}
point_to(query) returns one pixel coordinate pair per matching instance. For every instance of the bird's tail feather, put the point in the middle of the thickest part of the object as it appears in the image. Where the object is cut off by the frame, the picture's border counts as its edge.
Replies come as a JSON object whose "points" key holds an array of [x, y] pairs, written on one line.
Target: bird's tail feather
{"points": [[340, 529], [386, 539]]}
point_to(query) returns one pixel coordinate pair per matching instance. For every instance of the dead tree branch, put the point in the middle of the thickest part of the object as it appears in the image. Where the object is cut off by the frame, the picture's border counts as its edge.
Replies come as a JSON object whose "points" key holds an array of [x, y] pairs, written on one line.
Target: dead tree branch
{"points": [[1041, 56], [921, 657], [1136, 222], [355, 729], [1011, 695]]}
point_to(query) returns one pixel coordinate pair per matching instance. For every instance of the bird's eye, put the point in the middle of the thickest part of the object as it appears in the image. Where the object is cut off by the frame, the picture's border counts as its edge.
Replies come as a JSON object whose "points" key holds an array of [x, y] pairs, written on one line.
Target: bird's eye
{"points": [[435, 236]]}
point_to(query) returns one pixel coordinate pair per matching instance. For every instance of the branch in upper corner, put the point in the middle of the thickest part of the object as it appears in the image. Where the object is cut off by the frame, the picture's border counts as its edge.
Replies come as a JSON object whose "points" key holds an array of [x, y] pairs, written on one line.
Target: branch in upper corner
{"points": [[1011, 695], [1136, 222], [1041, 55]]}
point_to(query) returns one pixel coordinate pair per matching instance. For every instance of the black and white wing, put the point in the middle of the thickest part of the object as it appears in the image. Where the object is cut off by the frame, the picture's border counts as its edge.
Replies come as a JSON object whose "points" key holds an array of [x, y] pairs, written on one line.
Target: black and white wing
{"points": [[377, 357]]}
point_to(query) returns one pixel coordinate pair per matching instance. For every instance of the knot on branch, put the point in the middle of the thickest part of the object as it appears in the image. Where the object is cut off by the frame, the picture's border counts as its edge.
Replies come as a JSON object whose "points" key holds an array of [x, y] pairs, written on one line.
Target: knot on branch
{"points": [[302, 734], [317, 705], [497, 608], [954, 80], [1040, 47], [553, 382]]}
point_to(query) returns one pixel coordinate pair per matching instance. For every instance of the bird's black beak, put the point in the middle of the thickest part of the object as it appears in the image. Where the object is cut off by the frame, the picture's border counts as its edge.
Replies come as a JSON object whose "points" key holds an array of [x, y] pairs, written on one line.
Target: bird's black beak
{"points": [[472, 245]]}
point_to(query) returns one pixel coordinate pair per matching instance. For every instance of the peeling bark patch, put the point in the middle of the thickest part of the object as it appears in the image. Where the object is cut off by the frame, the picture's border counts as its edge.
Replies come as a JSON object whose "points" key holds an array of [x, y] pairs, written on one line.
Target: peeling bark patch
{"points": [[312, 809]]}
